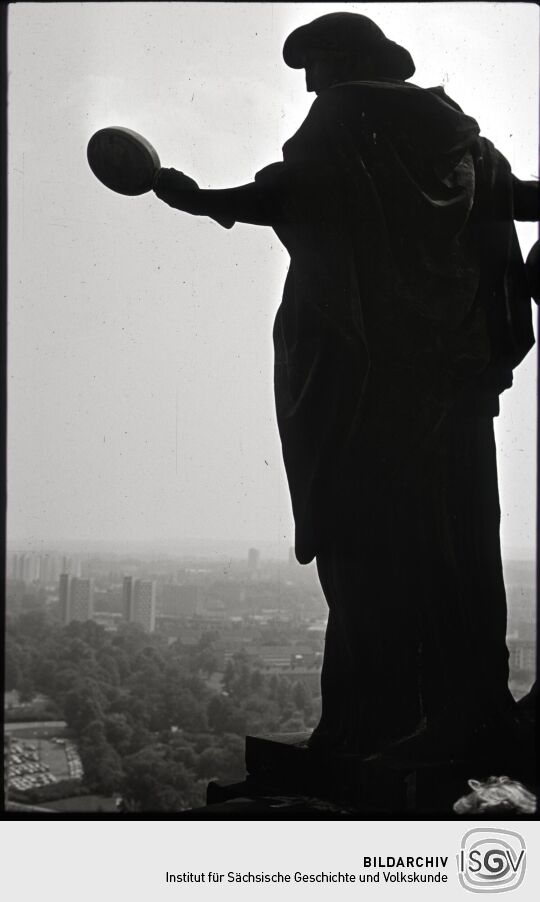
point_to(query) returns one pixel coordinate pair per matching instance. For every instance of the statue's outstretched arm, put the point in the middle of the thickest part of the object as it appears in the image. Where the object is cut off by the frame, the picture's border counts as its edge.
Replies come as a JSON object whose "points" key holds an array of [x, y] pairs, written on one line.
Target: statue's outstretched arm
{"points": [[250, 203]]}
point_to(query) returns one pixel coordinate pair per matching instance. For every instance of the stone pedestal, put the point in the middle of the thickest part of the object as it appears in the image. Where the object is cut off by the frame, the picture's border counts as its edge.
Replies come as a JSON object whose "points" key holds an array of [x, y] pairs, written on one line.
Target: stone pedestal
{"points": [[283, 763], [286, 778], [370, 785]]}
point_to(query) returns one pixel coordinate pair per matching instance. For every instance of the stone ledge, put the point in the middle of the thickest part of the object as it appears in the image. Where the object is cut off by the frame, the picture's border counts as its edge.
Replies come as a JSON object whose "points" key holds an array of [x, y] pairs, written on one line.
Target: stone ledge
{"points": [[285, 777]]}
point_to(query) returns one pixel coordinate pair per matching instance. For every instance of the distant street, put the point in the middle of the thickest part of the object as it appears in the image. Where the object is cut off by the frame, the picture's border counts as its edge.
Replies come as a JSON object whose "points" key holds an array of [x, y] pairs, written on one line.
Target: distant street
{"points": [[35, 724]]}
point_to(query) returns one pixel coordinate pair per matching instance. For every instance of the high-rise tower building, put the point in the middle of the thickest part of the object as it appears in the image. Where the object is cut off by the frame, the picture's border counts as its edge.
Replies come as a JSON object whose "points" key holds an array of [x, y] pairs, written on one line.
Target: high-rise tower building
{"points": [[139, 596], [81, 599], [127, 597], [76, 598], [63, 597]]}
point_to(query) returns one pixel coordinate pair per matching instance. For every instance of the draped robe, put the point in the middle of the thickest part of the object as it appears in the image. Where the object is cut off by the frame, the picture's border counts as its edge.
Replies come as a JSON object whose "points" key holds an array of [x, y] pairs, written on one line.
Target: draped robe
{"points": [[404, 311]]}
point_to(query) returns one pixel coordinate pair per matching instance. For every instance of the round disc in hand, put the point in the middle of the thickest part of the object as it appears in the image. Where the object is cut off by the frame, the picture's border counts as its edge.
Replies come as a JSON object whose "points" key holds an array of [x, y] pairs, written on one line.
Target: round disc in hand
{"points": [[123, 160]]}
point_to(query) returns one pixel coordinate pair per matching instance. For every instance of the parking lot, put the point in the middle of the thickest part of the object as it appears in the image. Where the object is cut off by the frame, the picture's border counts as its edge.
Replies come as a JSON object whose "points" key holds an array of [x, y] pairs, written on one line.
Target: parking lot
{"points": [[39, 762]]}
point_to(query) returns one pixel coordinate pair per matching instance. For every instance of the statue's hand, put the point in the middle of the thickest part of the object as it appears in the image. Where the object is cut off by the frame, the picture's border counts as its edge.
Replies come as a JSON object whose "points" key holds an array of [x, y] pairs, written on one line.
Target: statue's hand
{"points": [[168, 182], [182, 193]]}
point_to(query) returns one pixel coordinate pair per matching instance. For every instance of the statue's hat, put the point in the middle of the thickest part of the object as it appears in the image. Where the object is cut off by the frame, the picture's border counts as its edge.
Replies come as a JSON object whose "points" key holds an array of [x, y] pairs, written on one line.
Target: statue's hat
{"points": [[350, 32]]}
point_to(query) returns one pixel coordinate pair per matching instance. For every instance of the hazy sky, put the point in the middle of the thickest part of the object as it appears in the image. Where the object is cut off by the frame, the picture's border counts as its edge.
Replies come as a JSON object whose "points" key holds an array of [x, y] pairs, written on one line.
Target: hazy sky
{"points": [[140, 355]]}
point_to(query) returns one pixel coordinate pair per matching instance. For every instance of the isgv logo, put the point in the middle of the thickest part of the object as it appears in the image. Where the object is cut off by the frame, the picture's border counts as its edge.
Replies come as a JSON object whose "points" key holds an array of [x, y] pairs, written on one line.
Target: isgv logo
{"points": [[491, 861]]}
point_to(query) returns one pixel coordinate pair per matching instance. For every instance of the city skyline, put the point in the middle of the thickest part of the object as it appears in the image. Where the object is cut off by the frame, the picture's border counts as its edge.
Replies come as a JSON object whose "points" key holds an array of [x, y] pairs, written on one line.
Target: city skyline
{"points": [[216, 547]]}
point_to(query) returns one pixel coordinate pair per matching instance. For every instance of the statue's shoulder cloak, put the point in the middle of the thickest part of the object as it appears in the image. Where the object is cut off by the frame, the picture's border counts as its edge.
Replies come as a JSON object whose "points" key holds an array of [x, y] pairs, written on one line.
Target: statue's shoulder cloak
{"points": [[406, 288]]}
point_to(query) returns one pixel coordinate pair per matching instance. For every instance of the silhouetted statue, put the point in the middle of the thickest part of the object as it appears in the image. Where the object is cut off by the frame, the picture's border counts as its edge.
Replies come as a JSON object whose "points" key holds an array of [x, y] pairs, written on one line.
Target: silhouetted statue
{"points": [[405, 310]]}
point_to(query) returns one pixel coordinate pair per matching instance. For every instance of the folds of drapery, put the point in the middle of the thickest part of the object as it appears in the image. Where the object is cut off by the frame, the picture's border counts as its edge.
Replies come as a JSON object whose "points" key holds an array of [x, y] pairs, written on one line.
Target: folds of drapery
{"points": [[405, 292]]}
